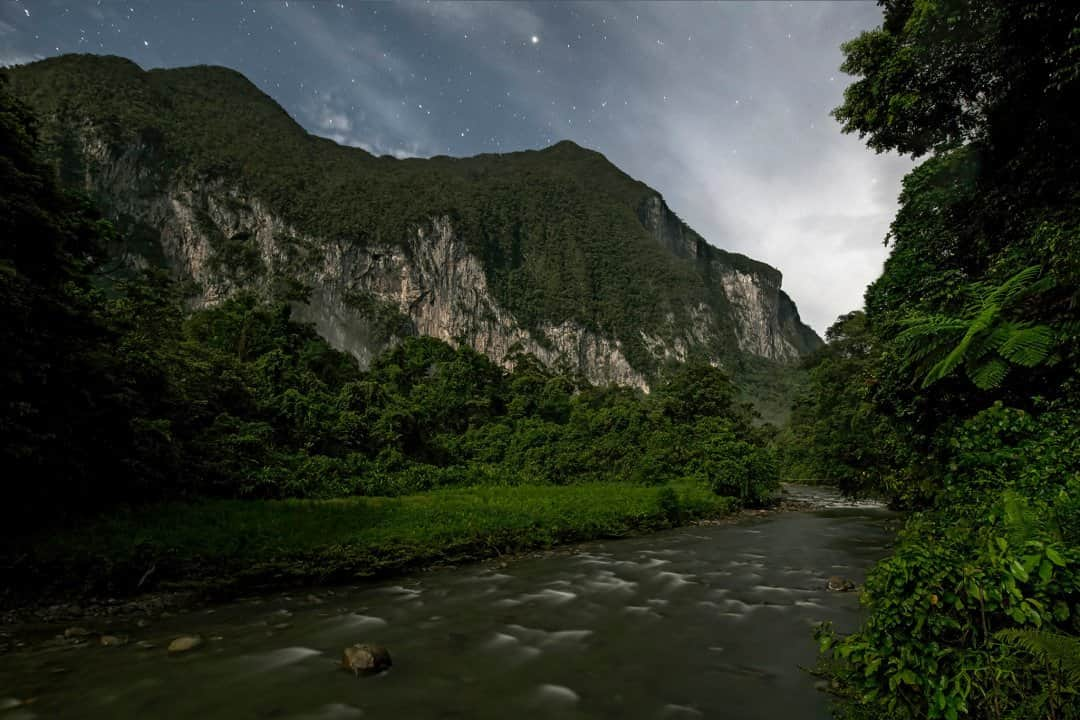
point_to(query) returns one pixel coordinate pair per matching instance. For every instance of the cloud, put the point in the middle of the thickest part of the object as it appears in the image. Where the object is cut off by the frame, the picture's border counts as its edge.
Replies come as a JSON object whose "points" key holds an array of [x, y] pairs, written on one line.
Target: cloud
{"points": [[327, 119], [513, 19], [358, 96], [11, 59]]}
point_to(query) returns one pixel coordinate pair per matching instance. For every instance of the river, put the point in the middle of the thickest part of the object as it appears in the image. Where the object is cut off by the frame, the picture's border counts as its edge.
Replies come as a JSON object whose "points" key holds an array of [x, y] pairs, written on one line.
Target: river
{"points": [[707, 621]]}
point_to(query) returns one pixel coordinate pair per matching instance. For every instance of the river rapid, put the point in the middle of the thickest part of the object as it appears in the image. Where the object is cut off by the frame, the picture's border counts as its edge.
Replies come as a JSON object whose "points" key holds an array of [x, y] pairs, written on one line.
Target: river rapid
{"points": [[707, 621]]}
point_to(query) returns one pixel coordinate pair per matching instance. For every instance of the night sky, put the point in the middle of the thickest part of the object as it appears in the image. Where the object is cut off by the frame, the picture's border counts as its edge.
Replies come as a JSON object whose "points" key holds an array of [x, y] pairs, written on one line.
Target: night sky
{"points": [[723, 107]]}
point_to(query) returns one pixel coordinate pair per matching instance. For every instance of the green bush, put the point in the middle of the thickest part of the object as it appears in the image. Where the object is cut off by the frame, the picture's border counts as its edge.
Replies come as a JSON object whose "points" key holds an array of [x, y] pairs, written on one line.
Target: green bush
{"points": [[929, 647], [998, 553], [668, 502], [735, 468]]}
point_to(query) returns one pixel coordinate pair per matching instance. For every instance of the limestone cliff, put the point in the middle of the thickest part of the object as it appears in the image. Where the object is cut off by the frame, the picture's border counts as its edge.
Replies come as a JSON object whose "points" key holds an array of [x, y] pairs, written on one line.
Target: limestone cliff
{"points": [[766, 321], [554, 252]]}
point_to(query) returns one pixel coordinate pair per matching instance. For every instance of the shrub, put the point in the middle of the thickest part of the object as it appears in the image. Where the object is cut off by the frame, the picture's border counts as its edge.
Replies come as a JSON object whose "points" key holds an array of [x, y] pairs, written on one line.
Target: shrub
{"points": [[736, 468], [668, 502]]}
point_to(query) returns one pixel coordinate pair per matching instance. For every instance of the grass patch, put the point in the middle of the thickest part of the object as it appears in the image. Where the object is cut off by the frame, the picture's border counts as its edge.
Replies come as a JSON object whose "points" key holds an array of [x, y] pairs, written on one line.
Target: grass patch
{"points": [[228, 546]]}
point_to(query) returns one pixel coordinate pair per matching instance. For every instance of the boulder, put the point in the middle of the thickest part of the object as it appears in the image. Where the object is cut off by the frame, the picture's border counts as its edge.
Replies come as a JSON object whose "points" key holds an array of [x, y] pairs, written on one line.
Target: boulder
{"points": [[184, 643], [839, 584], [364, 659]]}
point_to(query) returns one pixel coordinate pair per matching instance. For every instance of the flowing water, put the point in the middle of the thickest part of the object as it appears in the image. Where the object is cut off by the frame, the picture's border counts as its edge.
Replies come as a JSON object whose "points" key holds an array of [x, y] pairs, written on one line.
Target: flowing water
{"points": [[710, 621]]}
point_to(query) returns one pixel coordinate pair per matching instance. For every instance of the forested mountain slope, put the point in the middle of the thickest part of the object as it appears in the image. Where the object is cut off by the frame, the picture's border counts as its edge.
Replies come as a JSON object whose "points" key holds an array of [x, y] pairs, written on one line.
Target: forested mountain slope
{"points": [[556, 252]]}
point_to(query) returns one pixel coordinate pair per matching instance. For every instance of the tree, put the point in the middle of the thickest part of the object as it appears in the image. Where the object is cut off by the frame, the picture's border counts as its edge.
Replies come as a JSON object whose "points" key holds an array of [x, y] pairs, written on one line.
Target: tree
{"points": [[972, 614]]}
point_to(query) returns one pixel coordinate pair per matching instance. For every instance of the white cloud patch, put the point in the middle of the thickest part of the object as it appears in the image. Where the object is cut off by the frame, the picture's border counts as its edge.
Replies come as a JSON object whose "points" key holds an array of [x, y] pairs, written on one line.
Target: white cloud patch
{"points": [[360, 100], [17, 58], [510, 19], [327, 118]]}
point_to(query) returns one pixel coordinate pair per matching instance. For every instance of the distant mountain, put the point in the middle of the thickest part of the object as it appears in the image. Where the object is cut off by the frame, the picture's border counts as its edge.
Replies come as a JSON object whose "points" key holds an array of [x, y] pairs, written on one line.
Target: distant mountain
{"points": [[556, 252]]}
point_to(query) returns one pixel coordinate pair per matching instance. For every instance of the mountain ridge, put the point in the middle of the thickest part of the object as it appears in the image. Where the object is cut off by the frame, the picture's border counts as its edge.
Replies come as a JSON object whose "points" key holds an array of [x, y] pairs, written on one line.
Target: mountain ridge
{"points": [[556, 251]]}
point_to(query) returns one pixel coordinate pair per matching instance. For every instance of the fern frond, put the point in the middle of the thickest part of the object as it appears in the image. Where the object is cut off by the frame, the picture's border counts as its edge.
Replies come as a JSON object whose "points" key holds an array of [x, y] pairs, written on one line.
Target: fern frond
{"points": [[984, 332], [953, 360], [998, 336], [1061, 652], [927, 336], [989, 374], [1046, 282], [920, 327], [918, 352], [1028, 346], [1013, 288]]}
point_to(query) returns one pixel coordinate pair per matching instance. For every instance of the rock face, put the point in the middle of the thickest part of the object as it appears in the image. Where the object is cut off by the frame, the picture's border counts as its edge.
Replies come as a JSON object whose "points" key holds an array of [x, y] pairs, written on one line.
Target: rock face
{"points": [[435, 277], [765, 320], [363, 298]]}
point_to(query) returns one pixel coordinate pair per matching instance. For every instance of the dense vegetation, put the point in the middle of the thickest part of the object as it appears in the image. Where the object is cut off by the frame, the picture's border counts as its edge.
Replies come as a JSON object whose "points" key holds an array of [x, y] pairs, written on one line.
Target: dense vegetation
{"points": [[560, 232], [115, 396], [955, 390]]}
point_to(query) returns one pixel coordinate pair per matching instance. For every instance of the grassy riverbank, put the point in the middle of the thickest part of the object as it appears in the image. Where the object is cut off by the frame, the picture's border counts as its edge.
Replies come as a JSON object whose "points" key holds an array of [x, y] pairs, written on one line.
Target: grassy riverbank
{"points": [[225, 546]]}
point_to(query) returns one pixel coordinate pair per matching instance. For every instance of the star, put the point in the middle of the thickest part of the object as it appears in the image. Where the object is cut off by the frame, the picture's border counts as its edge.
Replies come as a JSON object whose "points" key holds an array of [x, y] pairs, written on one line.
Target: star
{"points": [[535, 39]]}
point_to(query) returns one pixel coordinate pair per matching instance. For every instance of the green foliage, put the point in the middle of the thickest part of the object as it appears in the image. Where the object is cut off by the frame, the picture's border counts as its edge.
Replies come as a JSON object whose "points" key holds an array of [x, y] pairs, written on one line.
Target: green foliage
{"points": [[976, 612], [1059, 653], [942, 607], [987, 341], [834, 435], [668, 502], [937, 73], [239, 545], [737, 469], [116, 392], [769, 386]]}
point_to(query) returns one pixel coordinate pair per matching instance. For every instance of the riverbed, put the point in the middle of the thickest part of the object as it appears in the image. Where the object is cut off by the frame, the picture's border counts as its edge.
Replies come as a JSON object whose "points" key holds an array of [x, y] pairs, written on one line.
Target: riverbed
{"points": [[705, 621]]}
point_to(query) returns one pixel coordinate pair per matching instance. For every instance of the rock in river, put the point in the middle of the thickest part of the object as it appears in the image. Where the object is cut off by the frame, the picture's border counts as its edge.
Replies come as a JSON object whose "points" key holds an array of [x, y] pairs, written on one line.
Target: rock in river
{"points": [[839, 584], [185, 643], [365, 659]]}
